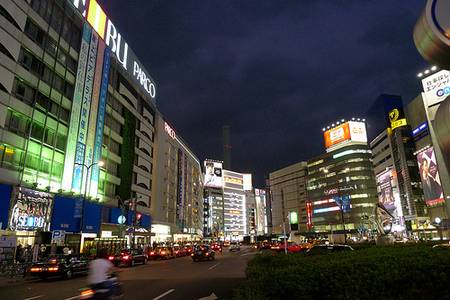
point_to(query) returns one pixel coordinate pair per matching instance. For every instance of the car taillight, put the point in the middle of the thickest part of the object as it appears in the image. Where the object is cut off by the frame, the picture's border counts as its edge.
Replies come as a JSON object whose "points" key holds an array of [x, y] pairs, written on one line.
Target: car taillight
{"points": [[192, 254], [207, 253], [111, 257], [163, 252], [53, 269], [126, 257], [176, 252], [152, 253], [35, 269], [87, 292]]}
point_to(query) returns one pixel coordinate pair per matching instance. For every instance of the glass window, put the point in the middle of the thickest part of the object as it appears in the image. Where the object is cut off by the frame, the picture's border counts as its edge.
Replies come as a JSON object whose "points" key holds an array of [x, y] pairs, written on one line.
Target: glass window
{"points": [[64, 114], [23, 91], [57, 169], [50, 46], [11, 158], [57, 18], [17, 123], [46, 75], [37, 131], [49, 136], [68, 91], [61, 142], [32, 161]]}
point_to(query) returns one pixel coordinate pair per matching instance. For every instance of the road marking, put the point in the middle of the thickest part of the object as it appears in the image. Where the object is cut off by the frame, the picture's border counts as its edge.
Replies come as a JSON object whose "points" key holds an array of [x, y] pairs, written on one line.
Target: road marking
{"points": [[210, 297], [210, 268], [35, 297], [164, 294], [251, 253], [71, 298]]}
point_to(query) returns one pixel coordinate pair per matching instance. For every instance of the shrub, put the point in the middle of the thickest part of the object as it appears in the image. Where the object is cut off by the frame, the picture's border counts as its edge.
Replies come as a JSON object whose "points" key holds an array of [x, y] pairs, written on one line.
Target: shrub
{"points": [[373, 273]]}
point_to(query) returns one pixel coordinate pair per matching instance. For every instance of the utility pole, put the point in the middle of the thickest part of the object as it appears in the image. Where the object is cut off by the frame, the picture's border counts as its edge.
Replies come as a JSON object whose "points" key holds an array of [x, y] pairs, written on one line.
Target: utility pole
{"points": [[284, 222]]}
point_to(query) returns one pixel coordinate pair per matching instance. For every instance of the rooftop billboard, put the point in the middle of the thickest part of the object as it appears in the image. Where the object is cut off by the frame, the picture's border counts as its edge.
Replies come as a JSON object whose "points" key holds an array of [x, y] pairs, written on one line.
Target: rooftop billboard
{"points": [[345, 133], [213, 174]]}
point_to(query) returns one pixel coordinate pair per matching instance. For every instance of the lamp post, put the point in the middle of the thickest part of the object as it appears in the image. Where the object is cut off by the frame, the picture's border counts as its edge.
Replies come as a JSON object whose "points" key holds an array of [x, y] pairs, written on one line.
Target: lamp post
{"points": [[100, 163]]}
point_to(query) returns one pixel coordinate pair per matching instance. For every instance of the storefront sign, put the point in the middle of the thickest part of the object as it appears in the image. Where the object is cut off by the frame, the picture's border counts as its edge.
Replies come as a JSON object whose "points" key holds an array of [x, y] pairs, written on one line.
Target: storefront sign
{"points": [[31, 210], [169, 130]]}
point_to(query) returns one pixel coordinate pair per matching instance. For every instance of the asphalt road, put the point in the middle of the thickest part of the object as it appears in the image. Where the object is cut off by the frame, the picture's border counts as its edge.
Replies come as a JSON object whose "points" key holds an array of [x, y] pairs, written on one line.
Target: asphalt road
{"points": [[179, 278]]}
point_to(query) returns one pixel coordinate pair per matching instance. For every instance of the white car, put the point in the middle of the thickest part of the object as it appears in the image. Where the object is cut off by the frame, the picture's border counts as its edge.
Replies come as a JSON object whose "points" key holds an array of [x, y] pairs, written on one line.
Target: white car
{"points": [[234, 246]]}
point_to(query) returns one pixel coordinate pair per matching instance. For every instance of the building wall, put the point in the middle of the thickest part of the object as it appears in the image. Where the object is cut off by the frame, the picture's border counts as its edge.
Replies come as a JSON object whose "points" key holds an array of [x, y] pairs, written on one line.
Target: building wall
{"points": [[178, 188], [346, 172], [288, 193]]}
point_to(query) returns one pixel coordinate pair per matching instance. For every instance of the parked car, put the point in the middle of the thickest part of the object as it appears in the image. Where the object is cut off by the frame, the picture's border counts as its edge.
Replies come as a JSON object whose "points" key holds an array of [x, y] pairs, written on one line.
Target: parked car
{"points": [[234, 246], [179, 251], [129, 257], [326, 249], [203, 252], [62, 266]]}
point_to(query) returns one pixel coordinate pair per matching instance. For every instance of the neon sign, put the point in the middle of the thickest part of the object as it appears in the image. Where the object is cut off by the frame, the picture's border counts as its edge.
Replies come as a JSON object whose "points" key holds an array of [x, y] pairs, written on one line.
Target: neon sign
{"points": [[169, 130], [96, 17]]}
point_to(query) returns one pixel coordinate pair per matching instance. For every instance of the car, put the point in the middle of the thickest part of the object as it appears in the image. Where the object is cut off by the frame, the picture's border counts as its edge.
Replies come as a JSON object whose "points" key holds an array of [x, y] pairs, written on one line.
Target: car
{"points": [[203, 252], [442, 246], [60, 266], [179, 251], [129, 257], [164, 252], [326, 249], [216, 247], [234, 246], [188, 248], [226, 244]]}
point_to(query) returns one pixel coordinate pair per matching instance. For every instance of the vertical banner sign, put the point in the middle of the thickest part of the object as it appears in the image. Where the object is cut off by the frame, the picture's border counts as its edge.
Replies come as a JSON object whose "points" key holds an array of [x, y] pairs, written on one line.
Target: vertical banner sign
{"points": [[180, 192], [78, 172], [88, 158], [100, 121], [76, 109]]}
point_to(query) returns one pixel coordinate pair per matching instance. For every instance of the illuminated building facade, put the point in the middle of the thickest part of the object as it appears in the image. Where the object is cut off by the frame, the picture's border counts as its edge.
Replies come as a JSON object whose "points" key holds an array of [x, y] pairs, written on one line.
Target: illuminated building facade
{"points": [[72, 95], [177, 209]]}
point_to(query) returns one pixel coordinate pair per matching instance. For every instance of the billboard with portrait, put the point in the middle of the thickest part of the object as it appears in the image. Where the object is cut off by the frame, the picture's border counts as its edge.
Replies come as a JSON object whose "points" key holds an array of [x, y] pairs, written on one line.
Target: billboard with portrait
{"points": [[213, 174], [429, 175], [385, 189]]}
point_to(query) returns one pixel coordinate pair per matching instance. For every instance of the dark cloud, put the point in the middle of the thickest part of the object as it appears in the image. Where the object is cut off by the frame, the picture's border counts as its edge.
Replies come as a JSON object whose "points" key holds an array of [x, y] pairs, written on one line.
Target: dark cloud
{"points": [[276, 71]]}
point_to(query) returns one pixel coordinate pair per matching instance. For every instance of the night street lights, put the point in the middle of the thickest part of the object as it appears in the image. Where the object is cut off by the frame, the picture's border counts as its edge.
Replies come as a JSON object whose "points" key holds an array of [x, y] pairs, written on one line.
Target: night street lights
{"points": [[100, 163]]}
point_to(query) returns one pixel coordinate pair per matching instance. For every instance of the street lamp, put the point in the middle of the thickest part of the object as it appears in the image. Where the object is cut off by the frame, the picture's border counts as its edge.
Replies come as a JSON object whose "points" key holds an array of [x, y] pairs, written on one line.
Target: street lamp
{"points": [[100, 163]]}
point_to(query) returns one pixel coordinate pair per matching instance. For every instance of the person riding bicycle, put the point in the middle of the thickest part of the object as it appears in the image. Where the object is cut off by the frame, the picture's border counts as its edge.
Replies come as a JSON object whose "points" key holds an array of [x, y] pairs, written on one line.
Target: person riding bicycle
{"points": [[99, 269]]}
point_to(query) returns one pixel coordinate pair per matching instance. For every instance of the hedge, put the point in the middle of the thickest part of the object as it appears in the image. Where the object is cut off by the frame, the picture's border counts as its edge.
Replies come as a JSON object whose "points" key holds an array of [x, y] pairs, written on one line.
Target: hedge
{"points": [[418, 272]]}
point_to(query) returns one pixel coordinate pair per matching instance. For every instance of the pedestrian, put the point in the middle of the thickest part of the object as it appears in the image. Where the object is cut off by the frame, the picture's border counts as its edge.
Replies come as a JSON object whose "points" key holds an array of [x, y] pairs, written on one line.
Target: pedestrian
{"points": [[154, 244], [19, 253]]}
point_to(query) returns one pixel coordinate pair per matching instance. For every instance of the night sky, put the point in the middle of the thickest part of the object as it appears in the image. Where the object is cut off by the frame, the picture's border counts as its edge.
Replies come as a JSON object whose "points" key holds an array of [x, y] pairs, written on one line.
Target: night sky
{"points": [[275, 71]]}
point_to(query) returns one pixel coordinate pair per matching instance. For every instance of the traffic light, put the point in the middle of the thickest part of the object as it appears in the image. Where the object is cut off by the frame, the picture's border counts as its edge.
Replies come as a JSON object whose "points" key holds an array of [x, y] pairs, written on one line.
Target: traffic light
{"points": [[138, 219]]}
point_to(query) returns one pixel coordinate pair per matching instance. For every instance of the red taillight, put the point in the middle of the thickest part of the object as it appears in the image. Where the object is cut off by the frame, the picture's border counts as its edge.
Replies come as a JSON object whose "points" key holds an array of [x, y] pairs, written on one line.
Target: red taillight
{"points": [[207, 253], [126, 257], [111, 257], [152, 253], [163, 252], [35, 269], [176, 252]]}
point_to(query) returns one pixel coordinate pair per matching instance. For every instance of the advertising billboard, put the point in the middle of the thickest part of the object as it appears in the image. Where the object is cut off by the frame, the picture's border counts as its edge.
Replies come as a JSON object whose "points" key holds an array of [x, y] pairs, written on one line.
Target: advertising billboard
{"points": [[396, 118], [213, 174], [429, 175], [31, 210], [436, 87], [388, 192], [350, 131]]}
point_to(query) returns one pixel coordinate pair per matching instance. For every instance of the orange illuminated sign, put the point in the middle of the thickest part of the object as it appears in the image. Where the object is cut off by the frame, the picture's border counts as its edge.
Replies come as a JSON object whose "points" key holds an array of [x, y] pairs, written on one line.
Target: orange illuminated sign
{"points": [[337, 134]]}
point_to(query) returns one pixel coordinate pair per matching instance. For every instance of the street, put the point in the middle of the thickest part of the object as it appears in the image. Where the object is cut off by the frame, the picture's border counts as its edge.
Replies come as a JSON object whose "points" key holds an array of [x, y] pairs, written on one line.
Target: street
{"points": [[178, 278]]}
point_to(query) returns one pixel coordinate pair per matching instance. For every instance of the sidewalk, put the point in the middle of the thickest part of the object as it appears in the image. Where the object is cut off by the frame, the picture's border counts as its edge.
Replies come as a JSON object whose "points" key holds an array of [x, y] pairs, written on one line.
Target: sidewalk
{"points": [[5, 281]]}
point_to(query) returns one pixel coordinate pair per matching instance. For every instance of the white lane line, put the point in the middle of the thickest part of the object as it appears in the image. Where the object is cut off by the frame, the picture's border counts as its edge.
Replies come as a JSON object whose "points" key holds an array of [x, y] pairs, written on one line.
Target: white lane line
{"points": [[164, 294], [212, 267], [35, 297], [251, 253], [72, 298]]}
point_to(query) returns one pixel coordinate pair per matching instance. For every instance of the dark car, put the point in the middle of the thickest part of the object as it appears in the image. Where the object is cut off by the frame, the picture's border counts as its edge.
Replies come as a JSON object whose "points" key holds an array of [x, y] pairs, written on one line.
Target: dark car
{"points": [[179, 251], [60, 266], [203, 252], [216, 247], [129, 257], [188, 248], [326, 249]]}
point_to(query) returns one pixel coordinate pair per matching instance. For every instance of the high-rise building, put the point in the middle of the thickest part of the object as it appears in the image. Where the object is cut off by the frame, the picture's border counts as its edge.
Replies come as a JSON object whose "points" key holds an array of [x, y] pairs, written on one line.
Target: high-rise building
{"points": [[77, 120], [261, 215], [341, 183], [395, 167], [213, 199], [177, 193], [288, 194]]}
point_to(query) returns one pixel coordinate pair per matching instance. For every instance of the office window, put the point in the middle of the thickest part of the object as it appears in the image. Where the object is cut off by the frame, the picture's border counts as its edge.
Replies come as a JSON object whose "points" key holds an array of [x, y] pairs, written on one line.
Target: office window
{"points": [[23, 92]]}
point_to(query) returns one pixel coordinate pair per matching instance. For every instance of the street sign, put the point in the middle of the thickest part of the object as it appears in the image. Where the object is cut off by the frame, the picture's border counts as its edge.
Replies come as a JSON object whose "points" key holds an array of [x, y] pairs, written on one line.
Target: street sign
{"points": [[58, 237], [121, 219]]}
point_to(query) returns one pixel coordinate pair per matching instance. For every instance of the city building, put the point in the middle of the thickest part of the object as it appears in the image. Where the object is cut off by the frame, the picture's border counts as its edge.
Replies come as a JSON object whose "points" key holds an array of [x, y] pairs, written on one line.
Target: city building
{"points": [[395, 167], [213, 199], [261, 214], [77, 122], [288, 195], [434, 173], [177, 191], [341, 183]]}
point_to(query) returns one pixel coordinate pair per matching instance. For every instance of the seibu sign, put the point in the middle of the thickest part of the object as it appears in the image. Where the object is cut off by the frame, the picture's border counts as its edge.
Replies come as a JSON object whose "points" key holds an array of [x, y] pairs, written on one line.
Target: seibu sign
{"points": [[96, 17]]}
